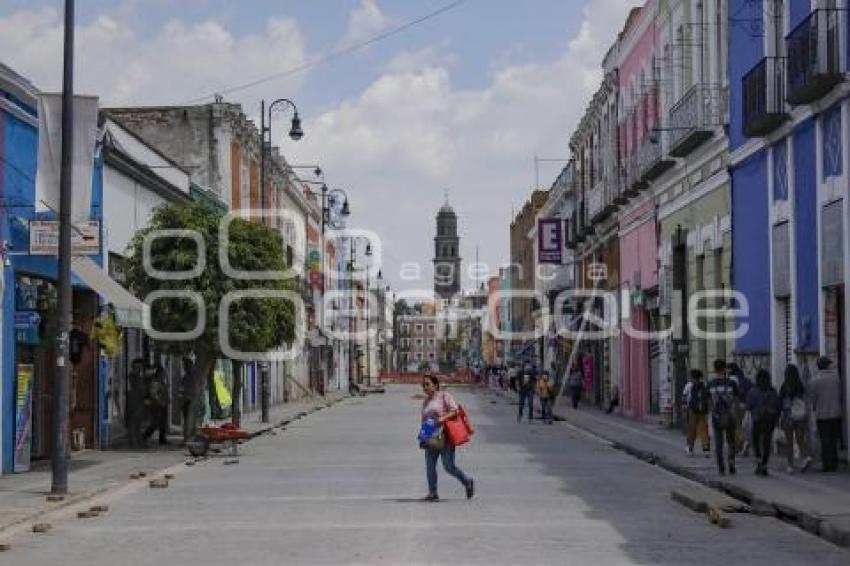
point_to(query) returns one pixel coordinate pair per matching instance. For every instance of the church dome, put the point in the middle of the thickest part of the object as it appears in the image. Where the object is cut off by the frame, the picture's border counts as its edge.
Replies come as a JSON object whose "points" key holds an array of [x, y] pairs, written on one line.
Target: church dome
{"points": [[447, 210]]}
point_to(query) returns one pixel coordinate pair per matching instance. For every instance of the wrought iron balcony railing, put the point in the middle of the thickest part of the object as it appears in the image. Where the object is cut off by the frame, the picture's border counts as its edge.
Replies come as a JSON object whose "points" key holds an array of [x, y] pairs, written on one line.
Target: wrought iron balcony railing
{"points": [[693, 119], [814, 56], [764, 97]]}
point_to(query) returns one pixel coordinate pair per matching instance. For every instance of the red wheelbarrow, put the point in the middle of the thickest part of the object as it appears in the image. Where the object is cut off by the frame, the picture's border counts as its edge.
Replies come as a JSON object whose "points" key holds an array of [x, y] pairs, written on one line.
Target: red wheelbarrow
{"points": [[227, 435]]}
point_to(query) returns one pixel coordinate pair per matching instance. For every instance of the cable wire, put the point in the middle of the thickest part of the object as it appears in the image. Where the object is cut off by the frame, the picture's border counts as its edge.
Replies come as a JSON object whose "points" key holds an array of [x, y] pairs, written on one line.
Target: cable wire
{"points": [[337, 54]]}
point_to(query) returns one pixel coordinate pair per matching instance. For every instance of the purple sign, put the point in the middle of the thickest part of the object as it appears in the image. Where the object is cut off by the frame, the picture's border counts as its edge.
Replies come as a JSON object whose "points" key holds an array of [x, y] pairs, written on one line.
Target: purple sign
{"points": [[549, 240]]}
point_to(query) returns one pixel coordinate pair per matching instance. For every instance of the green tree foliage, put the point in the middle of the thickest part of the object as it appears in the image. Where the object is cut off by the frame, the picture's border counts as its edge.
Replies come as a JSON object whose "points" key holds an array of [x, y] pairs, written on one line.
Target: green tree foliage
{"points": [[254, 325]]}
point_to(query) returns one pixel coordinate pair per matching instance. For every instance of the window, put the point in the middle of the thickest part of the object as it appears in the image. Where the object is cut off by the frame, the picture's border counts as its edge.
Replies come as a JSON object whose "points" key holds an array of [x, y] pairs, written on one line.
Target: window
{"points": [[419, 342], [431, 328], [831, 143], [431, 356], [431, 342], [418, 356], [405, 328], [418, 328], [780, 171]]}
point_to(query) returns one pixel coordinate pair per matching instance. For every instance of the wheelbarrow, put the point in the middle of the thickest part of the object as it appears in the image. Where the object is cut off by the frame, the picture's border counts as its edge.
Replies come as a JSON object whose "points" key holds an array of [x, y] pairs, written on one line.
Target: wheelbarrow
{"points": [[227, 435]]}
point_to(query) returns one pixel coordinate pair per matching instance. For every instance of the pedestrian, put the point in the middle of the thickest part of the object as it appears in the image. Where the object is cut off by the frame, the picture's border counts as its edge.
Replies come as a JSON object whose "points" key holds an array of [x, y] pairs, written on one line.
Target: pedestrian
{"points": [[763, 406], [526, 394], [186, 392], [825, 395], [697, 401], [795, 418], [136, 404], [157, 404], [441, 406], [575, 381], [724, 397], [743, 418], [513, 377], [546, 394], [614, 402]]}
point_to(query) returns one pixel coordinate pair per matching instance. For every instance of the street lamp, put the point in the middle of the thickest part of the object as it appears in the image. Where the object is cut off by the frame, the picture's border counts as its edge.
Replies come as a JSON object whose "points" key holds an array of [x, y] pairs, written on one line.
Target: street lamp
{"points": [[295, 133], [351, 269]]}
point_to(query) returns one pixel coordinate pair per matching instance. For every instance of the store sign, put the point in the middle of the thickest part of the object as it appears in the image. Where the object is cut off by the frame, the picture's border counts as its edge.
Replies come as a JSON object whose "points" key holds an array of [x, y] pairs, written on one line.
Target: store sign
{"points": [[44, 238], [26, 320], [550, 240], [23, 418]]}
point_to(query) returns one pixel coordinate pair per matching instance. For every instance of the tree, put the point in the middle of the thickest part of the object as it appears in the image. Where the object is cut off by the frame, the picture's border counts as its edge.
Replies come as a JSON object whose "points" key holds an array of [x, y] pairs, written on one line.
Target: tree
{"points": [[254, 325]]}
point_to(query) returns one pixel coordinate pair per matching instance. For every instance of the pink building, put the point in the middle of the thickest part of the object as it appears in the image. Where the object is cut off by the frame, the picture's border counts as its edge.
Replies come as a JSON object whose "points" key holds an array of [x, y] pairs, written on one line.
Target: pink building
{"points": [[642, 160], [639, 275]]}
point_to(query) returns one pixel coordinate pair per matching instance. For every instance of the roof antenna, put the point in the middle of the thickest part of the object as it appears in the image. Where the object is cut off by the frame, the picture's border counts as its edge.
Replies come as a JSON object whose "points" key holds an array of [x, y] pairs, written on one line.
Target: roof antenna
{"points": [[446, 194]]}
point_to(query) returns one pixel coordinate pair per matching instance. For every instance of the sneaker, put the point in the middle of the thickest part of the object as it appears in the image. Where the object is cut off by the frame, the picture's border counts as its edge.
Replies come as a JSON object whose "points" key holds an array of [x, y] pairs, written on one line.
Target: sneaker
{"points": [[806, 464], [431, 498], [689, 450], [732, 468], [470, 489]]}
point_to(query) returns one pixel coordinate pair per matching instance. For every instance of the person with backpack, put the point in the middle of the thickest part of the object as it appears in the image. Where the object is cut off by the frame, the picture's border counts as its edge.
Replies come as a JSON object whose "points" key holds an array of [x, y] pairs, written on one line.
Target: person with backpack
{"points": [[724, 398], [794, 419], [762, 402], [546, 394], [697, 402], [744, 420], [437, 408]]}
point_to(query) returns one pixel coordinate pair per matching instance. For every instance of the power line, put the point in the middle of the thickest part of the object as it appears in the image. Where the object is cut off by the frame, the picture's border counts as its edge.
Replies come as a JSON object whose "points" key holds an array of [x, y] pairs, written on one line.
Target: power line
{"points": [[337, 54]]}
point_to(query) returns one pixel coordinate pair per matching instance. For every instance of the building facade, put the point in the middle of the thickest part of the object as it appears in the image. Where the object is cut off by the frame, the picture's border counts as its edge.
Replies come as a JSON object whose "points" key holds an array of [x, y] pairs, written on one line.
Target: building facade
{"points": [[789, 162]]}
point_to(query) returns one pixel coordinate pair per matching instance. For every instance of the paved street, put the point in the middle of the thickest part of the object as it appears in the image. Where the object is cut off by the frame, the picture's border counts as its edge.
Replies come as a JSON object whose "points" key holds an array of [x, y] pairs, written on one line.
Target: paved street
{"points": [[340, 487]]}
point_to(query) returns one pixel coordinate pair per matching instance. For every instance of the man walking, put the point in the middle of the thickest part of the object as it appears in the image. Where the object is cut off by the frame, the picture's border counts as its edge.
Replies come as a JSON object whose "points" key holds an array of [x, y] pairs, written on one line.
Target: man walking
{"points": [[825, 394], [724, 399], [526, 393], [697, 403]]}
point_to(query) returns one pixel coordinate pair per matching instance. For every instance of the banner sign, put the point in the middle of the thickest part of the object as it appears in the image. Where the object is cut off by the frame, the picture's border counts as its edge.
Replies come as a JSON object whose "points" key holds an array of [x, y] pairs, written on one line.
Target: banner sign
{"points": [[44, 238], [550, 240], [23, 418]]}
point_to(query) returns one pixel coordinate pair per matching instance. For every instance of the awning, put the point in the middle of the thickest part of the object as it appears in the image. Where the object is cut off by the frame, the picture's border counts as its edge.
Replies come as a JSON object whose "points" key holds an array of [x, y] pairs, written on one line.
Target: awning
{"points": [[129, 311]]}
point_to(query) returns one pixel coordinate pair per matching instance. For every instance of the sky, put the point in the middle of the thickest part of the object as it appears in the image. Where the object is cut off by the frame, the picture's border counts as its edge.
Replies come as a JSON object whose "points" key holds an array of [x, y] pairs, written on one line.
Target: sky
{"points": [[461, 102]]}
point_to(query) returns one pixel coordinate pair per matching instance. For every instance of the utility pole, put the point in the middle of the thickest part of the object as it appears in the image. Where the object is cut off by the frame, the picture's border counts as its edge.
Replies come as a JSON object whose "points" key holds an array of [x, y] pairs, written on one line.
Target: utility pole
{"points": [[61, 448]]}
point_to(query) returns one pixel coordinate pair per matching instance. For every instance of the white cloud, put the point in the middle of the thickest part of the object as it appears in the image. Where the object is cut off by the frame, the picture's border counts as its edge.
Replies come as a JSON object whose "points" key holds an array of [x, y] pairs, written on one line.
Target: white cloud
{"points": [[179, 61], [439, 55], [412, 133], [366, 20]]}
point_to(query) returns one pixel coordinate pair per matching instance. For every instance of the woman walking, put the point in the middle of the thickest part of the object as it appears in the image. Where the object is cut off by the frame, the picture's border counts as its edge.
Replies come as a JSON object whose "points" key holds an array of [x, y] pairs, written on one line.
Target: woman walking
{"points": [[795, 417], [441, 407], [763, 404]]}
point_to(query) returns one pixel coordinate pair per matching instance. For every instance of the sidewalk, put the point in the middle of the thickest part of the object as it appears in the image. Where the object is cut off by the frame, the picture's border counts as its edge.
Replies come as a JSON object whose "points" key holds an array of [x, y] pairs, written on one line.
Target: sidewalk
{"points": [[818, 503], [93, 473]]}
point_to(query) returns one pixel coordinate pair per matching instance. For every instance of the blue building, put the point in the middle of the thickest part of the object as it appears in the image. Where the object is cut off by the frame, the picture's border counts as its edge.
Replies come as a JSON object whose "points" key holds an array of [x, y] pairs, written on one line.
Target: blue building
{"points": [[28, 323], [789, 162]]}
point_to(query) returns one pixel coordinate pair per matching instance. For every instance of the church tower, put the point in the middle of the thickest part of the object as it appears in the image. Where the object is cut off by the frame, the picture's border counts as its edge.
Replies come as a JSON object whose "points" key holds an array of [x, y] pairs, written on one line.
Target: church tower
{"points": [[446, 254]]}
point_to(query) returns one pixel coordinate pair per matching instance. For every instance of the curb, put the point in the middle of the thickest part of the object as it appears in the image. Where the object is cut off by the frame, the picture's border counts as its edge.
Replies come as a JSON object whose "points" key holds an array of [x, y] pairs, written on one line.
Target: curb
{"points": [[73, 500], [819, 526], [297, 416], [822, 527]]}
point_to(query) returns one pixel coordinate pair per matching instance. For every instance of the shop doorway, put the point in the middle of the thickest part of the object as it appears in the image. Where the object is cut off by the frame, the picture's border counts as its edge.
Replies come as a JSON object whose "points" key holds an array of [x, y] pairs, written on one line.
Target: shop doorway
{"points": [[35, 347], [834, 339]]}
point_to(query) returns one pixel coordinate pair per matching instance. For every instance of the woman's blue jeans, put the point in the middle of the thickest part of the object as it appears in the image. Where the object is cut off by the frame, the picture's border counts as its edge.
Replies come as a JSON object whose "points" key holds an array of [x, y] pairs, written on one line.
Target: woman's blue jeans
{"points": [[448, 455]]}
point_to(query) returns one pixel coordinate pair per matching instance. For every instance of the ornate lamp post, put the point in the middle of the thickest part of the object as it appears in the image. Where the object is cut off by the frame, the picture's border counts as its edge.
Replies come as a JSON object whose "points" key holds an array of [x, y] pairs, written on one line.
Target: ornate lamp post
{"points": [[295, 133]]}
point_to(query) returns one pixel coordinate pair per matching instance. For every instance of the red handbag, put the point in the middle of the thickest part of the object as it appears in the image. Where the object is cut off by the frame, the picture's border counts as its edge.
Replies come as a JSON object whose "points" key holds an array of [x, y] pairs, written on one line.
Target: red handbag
{"points": [[458, 430]]}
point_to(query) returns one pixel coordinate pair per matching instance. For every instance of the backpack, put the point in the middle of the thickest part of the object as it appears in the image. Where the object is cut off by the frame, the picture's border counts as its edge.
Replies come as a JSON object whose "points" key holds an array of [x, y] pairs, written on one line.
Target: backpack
{"points": [[770, 406], [698, 402], [722, 408]]}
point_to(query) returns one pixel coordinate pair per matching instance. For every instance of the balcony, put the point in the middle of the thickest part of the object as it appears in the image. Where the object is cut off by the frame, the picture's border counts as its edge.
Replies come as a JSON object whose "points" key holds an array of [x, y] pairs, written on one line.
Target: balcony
{"points": [[600, 203], [814, 57], [764, 97], [694, 117], [649, 161]]}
